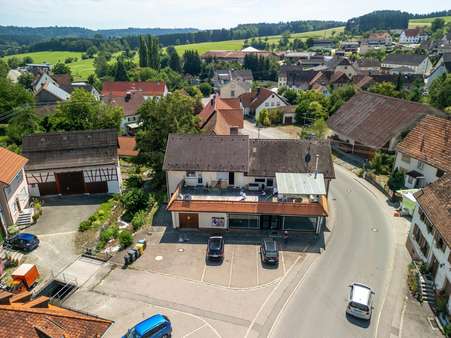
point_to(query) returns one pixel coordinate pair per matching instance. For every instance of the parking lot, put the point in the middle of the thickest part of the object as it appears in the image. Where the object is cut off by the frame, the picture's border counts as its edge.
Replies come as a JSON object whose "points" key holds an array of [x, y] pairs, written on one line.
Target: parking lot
{"points": [[241, 267]]}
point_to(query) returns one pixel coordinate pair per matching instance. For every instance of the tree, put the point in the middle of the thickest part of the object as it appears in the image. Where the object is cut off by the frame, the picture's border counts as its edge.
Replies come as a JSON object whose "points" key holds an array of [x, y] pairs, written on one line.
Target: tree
{"points": [[26, 80], [440, 92], [263, 118], [438, 23], [396, 180], [4, 69], [312, 105], [152, 49], [102, 68], [206, 89], [24, 122], [291, 95], [61, 68], [318, 129], [340, 96], [12, 96], [309, 42], [134, 200], [120, 73], [191, 62], [91, 51], [142, 52], [385, 88], [174, 59], [82, 112], [173, 113], [14, 62]]}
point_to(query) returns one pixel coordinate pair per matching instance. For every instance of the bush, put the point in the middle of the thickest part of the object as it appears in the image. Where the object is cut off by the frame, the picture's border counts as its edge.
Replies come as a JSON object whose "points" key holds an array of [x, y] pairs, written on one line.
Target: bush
{"points": [[275, 116], [442, 302], [134, 200], [139, 220], [84, 225], [12, 230], [134, 181], [125, 239], [447, 330]]}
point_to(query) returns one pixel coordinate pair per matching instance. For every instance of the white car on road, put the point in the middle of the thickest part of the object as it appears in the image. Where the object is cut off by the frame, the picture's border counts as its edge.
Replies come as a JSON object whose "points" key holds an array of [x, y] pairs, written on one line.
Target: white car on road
{"points": [[360, 303]]}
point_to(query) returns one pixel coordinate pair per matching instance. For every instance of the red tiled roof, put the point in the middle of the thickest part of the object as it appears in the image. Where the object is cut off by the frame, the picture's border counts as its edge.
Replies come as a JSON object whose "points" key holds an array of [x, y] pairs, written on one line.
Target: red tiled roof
{"points": [[435, 201], [280, 208], [130, 106], [219, 115], [10, 164], [412, 32], [430, 142], [120, 88], [372, 119], [38, 318], [127, 146]]}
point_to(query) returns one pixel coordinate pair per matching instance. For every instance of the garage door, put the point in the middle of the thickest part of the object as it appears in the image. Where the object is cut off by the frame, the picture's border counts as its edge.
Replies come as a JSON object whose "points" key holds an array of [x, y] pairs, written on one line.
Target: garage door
{"points": [[97, 187], [71, 183], [48, 188], [190, 221], [288, 120]]}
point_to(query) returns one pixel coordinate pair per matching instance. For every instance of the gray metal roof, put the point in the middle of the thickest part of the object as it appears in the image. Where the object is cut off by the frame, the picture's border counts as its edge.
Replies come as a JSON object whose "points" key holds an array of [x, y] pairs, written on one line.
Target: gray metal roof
{"points": [[300, 184]]}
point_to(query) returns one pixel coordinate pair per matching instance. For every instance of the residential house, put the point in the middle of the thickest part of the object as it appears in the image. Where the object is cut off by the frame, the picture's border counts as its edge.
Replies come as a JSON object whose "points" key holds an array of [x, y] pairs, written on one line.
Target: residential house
{"points": [[233, 182], [313, 61], [224, 77], [294, 57], [379, 39], [413, 36], [411, 63], [234, 89], [38, 68], [233, 56], [443, 66], [425, 153], [295, 77], [75, 162], [369, 122], [368, 66], [13, 75], [86, 86], [323, 44], [22, 316], [429, 238], [221, 116], [342, 65], [14, 196], [130, 96], [350, 46], [259, 99], [242, 75]]}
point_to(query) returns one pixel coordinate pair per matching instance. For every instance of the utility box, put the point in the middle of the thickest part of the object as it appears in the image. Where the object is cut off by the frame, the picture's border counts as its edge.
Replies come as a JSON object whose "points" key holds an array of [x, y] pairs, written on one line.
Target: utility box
{"points": [[27, 274]]}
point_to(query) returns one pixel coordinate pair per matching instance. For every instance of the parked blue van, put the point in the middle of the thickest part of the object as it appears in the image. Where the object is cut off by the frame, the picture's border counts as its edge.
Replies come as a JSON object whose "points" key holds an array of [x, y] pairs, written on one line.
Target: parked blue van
{"points": [[157, 326]]}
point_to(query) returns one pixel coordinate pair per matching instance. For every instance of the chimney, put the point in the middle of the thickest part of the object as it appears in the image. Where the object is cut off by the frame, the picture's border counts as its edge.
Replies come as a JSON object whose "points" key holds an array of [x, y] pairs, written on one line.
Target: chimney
{"points": [[316, 165], [128, 96]]}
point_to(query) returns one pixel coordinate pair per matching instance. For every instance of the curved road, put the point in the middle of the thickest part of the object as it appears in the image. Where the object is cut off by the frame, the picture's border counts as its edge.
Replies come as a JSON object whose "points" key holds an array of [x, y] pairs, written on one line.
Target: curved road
{"points": [[361, 249]]}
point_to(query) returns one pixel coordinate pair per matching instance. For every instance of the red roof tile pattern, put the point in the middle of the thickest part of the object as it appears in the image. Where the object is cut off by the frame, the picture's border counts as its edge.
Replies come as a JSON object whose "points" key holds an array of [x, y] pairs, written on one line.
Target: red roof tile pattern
{"points": [[127, 146], [412, 32], [10, 164], [279, 208], [130, 104], [219, 115], [120, 88], [435, 201], [373, 120], [26, 320], [430, 142]]}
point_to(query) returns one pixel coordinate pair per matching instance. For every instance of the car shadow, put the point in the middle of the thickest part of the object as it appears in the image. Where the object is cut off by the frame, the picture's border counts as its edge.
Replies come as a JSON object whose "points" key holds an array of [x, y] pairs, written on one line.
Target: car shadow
{"points": [[213, 262], [363, 323], [269, 266]]}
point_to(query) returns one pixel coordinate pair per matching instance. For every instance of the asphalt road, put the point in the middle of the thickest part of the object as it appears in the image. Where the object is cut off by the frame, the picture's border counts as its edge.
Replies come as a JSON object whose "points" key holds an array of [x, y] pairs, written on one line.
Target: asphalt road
{"points": [[360, 249]]}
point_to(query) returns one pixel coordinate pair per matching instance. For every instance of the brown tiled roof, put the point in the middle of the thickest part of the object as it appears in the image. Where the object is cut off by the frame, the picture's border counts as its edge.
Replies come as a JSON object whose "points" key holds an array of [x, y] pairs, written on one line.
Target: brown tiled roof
{"points": [[10, 164], [219, 115], [130, 105], [373, 119], [233, 54], [435, 201], [279, 208], [70, 149], [255, 98], [430, 142], [127, 146], [64, 81], [120, 88], [38, 319], [411, 32]]}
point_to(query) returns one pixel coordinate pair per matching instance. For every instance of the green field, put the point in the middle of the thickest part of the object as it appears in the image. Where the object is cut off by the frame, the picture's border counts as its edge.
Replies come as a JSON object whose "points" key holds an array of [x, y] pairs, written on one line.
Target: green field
{"points": [[80, 69], [426, 21]]}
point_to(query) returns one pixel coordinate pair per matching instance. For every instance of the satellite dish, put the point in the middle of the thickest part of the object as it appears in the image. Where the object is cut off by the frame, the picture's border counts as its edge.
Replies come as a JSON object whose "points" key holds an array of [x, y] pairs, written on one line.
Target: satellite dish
{"points": [[307, 158]]}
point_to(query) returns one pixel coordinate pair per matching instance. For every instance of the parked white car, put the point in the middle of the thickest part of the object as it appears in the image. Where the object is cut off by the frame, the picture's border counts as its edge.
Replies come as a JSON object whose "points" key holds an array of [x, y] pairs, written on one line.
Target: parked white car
{"points": [[360, 303]]}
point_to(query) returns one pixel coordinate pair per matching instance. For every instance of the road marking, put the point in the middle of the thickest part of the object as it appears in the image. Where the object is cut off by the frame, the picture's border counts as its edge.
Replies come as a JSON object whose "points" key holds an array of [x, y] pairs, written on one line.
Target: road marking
{"points": [[194, 331], [257, 256], [268, 298], [231, 268], [289, 297], [283, 263], [402, 317], [57, 234], [203, 272]]}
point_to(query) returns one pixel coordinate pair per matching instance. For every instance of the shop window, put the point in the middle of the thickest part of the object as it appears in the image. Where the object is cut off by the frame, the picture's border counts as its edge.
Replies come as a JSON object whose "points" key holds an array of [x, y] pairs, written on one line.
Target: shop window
{"points": [[190, 174]]}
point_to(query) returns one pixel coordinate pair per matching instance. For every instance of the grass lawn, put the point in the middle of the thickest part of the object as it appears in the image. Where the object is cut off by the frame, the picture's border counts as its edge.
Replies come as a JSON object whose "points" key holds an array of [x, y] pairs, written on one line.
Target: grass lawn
{"points": [[426, 22], [80, 69]]}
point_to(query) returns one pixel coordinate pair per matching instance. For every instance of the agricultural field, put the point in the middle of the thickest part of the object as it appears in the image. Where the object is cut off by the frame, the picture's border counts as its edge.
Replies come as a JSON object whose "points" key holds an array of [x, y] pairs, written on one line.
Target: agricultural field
{"points": [[81, 69], [426, 22]]}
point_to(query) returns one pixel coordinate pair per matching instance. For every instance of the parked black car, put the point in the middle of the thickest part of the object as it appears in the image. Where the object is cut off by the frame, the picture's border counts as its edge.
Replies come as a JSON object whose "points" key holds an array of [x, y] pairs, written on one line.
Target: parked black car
{"points": [[269, 251], [215, 248], [22, 242]]}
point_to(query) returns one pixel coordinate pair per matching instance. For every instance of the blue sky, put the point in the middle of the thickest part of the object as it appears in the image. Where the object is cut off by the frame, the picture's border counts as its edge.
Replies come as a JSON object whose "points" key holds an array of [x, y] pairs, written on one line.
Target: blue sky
{"points": [[195, 13]]}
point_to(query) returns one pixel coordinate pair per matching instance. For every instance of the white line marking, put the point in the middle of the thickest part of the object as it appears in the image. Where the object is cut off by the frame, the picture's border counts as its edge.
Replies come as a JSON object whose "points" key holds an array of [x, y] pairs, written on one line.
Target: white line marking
{"points": [[231, 268], [267, 299], [203, 272], [283, 263], [402, 317], [289, 298], [194, 331], [257, 256], [57, 234]]}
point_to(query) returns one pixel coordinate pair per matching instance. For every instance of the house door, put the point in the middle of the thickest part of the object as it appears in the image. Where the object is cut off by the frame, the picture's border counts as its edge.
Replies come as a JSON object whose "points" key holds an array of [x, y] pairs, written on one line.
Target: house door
{"points": [[434, 266], [18, 205], [270, 222], [231, 178], [71, 183], [289, 120], [189, 221]]}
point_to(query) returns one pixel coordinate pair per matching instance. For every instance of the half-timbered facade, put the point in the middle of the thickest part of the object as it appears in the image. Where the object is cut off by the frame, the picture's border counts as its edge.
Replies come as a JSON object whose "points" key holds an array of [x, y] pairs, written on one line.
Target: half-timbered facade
{"points": [[76, 162]]}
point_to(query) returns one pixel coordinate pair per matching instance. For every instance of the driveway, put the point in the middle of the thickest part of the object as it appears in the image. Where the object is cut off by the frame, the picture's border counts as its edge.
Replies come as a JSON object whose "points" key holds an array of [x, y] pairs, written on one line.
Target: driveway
{"points": [[57, 229], [281, 132]]}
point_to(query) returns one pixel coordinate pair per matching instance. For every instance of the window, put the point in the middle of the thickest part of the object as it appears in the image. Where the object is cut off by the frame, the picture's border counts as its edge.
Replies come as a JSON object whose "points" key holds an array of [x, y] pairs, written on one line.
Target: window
{"points": [[190, 174], [440, 173], [272, 104], [260, 180], [232, 93], [420, 165], [440, 243], [410, 179], [266, 104], [269, 182]]}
